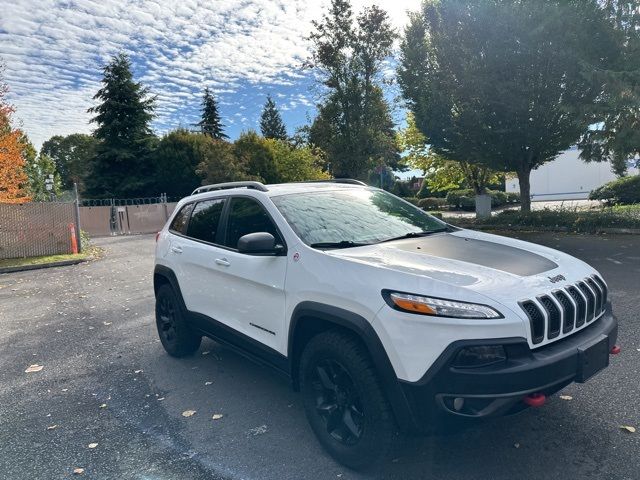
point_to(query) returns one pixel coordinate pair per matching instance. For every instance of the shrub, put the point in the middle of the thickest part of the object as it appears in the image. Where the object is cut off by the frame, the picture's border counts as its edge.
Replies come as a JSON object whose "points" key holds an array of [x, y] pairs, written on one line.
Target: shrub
{"points": [[513, 197], [582, 221], [432, 203], [413, 200], [465, 199], [623, 191]]}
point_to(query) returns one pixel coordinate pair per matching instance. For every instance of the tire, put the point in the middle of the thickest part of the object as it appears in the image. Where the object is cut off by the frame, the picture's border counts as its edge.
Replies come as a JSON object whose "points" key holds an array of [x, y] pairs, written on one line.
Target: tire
{"points": [[344, 401], [175, 334]]}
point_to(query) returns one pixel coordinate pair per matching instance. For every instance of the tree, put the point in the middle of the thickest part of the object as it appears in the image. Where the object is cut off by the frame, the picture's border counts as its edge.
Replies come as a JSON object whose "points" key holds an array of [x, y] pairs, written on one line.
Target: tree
{"points": [[441, 174], [252, 151], [72, 156], [353, 125], [271, 124], [501, 83], [39, 169], [219, 163], [13, 178], [615, 132], [211, 124], [122, 164], [296, 164], [176, 159]]}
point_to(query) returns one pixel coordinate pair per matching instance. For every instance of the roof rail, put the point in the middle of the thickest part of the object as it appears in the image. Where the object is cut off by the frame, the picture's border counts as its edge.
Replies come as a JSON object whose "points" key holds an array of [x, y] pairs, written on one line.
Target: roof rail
{"points": [[350, 181], [223, 186]]}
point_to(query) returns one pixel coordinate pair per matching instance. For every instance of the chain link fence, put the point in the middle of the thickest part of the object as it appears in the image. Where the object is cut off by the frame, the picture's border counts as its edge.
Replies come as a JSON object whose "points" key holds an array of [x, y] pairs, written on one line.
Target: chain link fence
{"points": [[36, 229], [45, 228]]}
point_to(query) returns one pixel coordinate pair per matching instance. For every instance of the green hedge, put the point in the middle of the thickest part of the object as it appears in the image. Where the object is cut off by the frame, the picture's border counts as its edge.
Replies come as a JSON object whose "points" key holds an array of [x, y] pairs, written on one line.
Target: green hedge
{"points": [[624, 191], [432, 203], [465, 199], [582, 221]]}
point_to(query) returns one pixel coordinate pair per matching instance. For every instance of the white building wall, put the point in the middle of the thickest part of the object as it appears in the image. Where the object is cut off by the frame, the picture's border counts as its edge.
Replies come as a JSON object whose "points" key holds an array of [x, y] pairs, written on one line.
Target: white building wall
{"points": [[566, 178]]}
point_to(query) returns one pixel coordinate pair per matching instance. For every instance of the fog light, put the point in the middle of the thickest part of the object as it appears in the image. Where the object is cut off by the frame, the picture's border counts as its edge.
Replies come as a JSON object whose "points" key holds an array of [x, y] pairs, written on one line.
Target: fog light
{"points": [[458, 403], [480, 356]]}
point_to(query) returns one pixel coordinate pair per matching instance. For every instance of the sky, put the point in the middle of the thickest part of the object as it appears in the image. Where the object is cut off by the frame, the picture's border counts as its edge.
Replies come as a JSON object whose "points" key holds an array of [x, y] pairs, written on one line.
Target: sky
{"points": [[54, 51]]}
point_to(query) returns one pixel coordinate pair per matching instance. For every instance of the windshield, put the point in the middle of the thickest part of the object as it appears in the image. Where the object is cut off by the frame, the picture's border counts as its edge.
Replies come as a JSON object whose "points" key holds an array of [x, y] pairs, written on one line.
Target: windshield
{"points": [[353, 217]]}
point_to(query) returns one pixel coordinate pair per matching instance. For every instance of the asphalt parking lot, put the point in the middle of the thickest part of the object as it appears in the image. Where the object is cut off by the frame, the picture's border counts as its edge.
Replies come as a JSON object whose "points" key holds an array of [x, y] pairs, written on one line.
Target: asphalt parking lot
{"points": [[107, 381]]}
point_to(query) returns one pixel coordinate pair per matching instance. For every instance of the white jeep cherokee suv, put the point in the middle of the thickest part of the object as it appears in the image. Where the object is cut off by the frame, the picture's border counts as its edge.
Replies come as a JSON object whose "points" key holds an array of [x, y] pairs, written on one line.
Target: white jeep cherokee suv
{"points": [[384, 317]]}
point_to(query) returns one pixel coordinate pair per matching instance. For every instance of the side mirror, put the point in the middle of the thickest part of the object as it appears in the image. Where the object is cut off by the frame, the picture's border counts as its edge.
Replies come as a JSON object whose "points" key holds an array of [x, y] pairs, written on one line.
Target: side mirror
{"points": [[258, 243]]}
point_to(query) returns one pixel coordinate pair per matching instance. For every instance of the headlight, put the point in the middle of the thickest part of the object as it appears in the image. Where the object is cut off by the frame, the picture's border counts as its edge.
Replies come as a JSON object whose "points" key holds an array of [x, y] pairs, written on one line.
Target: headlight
{"points": [[439, 307]]}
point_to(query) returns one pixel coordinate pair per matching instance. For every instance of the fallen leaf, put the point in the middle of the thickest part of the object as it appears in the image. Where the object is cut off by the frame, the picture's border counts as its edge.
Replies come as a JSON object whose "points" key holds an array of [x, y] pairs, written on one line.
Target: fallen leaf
{"points": [[628, 428], [217, 416], [566, 397], [188, 413], [52, 427], [92, 445], [104, 405], [138, 371], [258, 430], [78, 471], [34, 368], [208, 383]]}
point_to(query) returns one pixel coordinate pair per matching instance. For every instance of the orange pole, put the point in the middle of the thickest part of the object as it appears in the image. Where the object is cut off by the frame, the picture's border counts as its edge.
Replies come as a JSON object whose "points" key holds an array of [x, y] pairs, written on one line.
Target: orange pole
{"points": [[74, 240]]}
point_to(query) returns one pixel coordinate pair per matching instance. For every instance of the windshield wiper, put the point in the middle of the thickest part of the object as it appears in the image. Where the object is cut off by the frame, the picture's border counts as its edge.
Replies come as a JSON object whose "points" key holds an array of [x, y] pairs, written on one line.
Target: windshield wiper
{"points": [[415, 234], [340, 244]]}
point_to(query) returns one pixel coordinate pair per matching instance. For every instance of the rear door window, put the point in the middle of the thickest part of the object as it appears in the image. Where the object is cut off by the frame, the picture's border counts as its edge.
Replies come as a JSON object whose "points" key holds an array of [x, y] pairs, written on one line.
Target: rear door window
{"points": [[205, 220]]}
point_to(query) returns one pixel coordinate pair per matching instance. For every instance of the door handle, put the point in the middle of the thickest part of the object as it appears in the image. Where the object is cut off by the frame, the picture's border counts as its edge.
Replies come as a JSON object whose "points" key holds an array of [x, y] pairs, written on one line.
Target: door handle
{"points": [[222, 261], [176, 249]]}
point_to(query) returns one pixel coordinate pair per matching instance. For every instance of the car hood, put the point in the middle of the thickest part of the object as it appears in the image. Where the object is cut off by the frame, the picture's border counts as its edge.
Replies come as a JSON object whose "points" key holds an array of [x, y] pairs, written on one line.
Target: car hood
{"points": [[475, 260]]}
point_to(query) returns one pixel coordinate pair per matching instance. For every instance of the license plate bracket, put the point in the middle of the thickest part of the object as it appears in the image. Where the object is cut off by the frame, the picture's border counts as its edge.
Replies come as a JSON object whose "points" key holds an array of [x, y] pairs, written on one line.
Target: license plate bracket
{"points": [[592, 358]]}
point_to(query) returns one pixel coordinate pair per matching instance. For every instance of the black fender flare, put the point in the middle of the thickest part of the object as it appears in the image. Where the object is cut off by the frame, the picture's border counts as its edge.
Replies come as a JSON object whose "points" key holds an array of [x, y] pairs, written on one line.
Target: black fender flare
{"points": [[160, 271], [359, 326]]}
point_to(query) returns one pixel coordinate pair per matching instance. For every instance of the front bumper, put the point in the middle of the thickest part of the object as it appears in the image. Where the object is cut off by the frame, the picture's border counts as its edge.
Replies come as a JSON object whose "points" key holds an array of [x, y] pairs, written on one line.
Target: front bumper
{"points": [[499, 389]]}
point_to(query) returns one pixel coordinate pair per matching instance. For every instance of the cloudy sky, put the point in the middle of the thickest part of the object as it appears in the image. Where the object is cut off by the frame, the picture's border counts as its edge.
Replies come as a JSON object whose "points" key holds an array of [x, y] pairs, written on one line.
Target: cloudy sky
{"points": [[242, 49]]}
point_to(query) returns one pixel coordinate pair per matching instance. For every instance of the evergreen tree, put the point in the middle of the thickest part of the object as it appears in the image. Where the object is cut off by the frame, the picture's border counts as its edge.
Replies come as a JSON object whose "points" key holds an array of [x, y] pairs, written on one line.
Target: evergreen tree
{"points": [[122, 164], [210, 124], [271, 124]]}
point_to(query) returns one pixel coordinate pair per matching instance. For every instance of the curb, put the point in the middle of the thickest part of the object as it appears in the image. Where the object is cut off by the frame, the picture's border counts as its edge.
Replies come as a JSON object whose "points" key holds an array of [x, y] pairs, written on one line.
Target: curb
{"points": [[25, 268], [519, 228]]}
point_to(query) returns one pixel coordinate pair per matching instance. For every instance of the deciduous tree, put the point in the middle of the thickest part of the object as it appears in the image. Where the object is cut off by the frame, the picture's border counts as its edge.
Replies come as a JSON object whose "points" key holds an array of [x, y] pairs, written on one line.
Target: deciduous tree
{"points": [[72, 156], [615, 132], [353, 125], [502, 83], [13, 178]]}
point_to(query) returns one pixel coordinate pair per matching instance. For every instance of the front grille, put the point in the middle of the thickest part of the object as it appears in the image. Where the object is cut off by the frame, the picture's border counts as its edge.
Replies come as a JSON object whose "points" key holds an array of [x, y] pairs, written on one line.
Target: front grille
{"points": [[565, 309], [553, 316]]}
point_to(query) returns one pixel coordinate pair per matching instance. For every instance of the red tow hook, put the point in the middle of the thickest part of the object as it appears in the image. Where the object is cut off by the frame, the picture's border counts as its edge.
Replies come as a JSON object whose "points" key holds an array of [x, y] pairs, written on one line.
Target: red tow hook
{"points": [[615, 350], [535, 399]]}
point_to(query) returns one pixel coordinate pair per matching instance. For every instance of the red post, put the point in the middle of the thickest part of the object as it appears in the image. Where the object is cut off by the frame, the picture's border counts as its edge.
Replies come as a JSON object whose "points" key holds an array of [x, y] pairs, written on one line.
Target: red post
{"points": [[74, 240]]}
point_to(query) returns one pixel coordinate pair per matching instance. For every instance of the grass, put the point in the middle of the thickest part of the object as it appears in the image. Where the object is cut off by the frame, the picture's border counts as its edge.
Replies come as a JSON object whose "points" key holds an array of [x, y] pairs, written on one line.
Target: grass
{"points": [[89, 251], [564, 219], [22, 262]]}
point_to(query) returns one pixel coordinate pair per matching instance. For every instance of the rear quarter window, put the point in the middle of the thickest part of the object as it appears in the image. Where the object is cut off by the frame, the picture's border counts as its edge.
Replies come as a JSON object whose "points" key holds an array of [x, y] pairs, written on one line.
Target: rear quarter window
{"points": [[181, 220]]}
